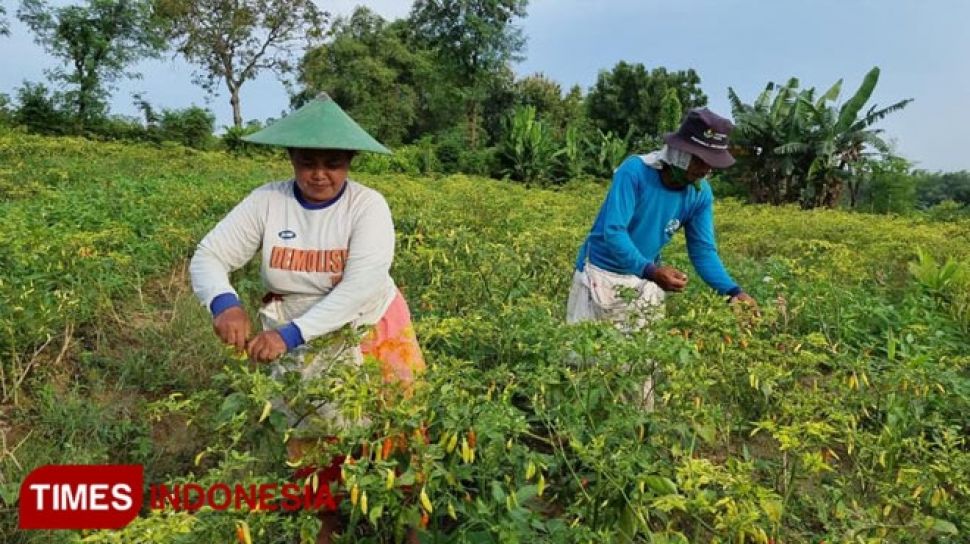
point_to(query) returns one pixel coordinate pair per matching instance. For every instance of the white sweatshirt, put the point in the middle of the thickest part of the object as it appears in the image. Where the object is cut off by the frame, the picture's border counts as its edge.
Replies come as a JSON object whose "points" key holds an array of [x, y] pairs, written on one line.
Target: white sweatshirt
{"points": [[340, 251]]}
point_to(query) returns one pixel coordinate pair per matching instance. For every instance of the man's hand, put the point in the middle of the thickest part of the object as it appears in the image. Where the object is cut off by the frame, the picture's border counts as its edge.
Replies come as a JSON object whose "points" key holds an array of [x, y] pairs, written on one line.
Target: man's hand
{"points": [[670, 279], [744, 298], [232, 326], [266, 347], [747, 300]]}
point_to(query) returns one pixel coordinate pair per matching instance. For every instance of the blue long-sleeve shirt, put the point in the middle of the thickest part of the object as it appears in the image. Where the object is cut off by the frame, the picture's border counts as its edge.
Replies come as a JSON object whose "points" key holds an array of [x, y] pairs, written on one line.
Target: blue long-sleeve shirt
{"points": [[640, 215]]}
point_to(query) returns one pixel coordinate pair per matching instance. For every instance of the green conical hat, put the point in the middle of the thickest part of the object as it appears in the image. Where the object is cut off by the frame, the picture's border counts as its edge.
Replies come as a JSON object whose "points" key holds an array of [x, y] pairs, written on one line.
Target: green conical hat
{"points": [[319, 124]]}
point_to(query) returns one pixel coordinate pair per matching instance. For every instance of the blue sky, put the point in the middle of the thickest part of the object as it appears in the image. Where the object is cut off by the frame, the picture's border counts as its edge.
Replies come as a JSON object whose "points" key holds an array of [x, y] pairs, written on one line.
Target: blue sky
{"points": [[921, 47]]}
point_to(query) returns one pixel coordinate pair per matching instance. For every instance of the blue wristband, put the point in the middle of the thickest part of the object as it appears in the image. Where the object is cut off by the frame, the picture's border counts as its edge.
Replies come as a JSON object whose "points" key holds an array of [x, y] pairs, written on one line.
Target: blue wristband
{"points": [[291, 335], [649, 271], [223, 302]]}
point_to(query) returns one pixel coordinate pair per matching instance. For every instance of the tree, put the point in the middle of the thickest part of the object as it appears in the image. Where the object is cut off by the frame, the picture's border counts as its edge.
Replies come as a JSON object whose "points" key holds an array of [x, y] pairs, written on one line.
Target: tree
{"points": [[4, 29], [542, 93], [574, 108], [794, 147], [472, 39], [526, 151], [892, 189], [6, 110], [233, 41], [497, 102], [762, 128], [147, 110], [671, 112], [934, 188], [628, 98], [98, 41], [372, 71]]}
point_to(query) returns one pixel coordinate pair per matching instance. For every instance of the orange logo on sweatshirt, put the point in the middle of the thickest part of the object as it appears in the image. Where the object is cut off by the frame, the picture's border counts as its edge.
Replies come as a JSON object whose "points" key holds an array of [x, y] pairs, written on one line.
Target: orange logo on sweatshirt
{"points": [[308, 260]]}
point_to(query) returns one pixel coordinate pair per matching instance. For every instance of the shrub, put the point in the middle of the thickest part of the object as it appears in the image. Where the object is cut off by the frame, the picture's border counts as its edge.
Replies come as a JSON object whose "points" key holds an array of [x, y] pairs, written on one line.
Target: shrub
{"points": [[232, 139], [449, 146], [479, 162], [948, 210], [42, 111], [191, 127]]}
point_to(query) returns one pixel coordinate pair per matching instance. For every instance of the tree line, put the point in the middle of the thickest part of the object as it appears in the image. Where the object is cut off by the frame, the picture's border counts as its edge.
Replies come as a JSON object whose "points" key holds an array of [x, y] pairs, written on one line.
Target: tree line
{"points": [[438, 86]]}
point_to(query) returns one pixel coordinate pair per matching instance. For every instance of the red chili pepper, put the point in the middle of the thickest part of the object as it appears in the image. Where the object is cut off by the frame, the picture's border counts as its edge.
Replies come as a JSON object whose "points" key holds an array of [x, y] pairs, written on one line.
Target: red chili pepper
{"points": [[387, 448]]}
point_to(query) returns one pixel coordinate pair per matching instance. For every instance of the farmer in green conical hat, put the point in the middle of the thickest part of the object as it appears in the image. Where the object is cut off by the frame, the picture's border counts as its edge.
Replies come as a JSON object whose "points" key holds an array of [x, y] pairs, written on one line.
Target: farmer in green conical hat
{"points": [[326, 244]]}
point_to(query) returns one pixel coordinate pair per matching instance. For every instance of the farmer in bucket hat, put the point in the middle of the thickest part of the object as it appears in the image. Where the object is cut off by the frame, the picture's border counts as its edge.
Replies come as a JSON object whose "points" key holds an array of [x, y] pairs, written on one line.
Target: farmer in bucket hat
{"points": [[652, 197], [326, 244]]}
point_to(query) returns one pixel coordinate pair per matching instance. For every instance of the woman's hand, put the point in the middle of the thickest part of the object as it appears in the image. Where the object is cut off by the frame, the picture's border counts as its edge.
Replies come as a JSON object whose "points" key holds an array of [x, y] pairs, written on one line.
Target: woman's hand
{"points": [[232, 326], [266, 347]]}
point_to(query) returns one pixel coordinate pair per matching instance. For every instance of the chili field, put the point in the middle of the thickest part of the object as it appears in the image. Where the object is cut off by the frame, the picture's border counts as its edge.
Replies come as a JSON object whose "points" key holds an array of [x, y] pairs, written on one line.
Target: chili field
{"points": [[841, 413]]}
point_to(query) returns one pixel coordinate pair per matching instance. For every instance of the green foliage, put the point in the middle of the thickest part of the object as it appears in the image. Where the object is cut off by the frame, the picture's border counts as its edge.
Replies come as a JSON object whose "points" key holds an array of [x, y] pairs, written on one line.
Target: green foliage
{"points": [[940, 279], [473, 41], [573, 108], [948, 282], [527, 151], [97, 42], [232, 43], [573, 159], [44, 112], [474, 37], [372, 71], [934, 188], [85, 210], [116, 127], [483, 161], [609, 151], [395, 80], [628, 98], [41, 111], [413, 160], [543, 94], [948, 210], [724, 185], [838, 414], [449, 147], [6, 110], [794, 147], [233, 141], [892, 188], [191, 127], [497, 96], [671, 112]]}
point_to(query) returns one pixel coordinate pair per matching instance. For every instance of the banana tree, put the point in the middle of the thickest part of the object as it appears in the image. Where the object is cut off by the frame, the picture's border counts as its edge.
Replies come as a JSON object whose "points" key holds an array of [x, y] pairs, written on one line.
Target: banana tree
{"points": [[571, 159], [609, 151], [844, 140], [772, 121], [527, 149], [795, 147]]}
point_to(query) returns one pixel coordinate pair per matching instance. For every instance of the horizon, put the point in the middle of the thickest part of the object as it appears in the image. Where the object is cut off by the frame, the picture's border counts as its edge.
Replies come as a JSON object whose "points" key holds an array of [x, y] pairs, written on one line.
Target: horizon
{"points": [[571, 42]]}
